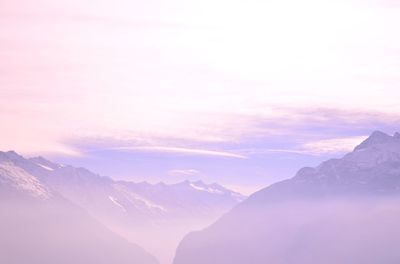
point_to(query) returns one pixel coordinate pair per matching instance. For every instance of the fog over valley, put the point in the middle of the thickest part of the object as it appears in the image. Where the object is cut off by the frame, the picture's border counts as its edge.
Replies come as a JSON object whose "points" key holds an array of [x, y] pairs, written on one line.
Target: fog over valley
{"points": [[199, 132]]}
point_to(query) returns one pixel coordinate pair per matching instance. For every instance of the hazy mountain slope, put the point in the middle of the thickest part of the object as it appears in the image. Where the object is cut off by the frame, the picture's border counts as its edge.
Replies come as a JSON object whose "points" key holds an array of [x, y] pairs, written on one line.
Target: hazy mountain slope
{"points": [[155, 216], [39, 226], [343, 211]]}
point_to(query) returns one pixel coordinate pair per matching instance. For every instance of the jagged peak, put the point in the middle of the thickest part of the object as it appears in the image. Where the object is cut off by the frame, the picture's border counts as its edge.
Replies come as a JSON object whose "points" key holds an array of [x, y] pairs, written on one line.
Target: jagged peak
{"points": [[44, 163], [377, 137], [11, 155], [199, 182], [39, 158], [216, 185]]}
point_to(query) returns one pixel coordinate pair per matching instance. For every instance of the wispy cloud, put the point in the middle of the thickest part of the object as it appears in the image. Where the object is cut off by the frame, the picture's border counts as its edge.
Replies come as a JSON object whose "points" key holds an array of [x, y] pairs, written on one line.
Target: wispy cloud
{"points": [[314, 147], [183, 151], [334, 145], [262, 151], [72, 68]]}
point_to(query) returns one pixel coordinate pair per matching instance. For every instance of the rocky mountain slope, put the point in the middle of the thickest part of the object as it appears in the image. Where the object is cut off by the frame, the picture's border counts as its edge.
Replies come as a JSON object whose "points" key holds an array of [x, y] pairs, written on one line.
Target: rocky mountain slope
{"points": [[343, 211], [155, 216], [40, 226]]}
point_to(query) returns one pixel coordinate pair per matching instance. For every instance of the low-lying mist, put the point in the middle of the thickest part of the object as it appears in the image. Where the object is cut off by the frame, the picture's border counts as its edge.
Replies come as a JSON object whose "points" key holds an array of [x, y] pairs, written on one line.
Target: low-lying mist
{"points": [[50, 232], [344, 230]]}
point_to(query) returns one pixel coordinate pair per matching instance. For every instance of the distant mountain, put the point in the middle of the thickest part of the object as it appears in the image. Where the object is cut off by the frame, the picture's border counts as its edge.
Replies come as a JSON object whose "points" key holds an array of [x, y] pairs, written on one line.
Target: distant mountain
{"points": [[343, 211], [40, 226], [155, 216]]}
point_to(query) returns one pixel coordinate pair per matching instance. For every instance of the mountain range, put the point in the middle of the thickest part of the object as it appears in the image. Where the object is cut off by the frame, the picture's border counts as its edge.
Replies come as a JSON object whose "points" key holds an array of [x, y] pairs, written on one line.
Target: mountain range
{"points": [[38, 225], [63, 204], [345, 210]]}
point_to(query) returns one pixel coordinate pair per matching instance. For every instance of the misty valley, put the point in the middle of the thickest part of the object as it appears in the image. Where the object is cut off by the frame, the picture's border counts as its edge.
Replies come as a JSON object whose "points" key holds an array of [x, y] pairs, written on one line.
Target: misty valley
{"points": [[346, 210], [199, 132]]}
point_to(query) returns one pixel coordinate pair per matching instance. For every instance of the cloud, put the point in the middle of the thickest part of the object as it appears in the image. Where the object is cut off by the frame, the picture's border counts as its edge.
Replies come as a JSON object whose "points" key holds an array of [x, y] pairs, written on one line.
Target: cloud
{"points": [[262, 151], [334, 145], [183, 151], [72, 69], [317, 147], [292, 130]]}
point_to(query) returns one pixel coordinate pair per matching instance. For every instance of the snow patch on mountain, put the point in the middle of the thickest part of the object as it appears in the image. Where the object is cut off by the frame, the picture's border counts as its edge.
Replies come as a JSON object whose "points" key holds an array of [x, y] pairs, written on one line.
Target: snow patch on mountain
{"points": [[115, 201], [22, 180], [208, 189], [45, 167], [138, 200]]}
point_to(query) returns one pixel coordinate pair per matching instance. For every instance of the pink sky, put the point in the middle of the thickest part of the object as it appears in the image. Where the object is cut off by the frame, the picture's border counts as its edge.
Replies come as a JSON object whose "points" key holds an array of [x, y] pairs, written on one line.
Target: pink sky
{"points": [[182, 75]]}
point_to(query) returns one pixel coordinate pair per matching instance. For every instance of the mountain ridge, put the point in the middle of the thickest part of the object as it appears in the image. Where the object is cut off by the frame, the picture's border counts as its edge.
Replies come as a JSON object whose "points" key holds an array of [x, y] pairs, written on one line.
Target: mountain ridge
{"points": [[140, 212], [39, 225], [317, 216]]}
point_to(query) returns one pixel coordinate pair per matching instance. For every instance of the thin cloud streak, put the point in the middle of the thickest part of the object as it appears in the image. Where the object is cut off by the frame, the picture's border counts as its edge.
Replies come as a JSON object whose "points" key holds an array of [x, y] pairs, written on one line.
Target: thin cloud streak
{"points": [[314, 148], [182, 69], [334, 145], [272, 151], [185, 151]]}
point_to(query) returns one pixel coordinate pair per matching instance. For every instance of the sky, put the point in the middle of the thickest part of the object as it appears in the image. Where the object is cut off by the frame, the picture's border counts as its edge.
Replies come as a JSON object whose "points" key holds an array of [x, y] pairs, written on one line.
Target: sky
{"points": [[243, 93]]}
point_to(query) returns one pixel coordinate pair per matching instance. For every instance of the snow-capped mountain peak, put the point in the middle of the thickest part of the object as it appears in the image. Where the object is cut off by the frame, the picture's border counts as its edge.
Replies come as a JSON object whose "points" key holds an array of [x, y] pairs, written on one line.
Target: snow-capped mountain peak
{"points": [[9, 156], [299, 219], [204, 188], [22, 181], [377, 149], [378, 138], [212, 189], [171, 210]]}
